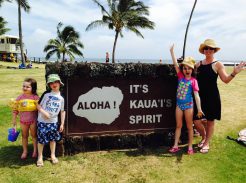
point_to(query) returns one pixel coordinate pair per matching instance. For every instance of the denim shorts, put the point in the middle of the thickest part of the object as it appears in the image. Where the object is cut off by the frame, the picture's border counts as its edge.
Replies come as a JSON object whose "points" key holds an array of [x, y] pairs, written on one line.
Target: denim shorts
{"points": [[48, 132]]}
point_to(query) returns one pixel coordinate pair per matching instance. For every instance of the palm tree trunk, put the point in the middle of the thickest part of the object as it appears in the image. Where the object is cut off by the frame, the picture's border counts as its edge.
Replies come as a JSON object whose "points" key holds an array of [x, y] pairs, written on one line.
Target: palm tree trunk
{"points": [[115, 41], [20, 33], [63, 57], [187, 28]]}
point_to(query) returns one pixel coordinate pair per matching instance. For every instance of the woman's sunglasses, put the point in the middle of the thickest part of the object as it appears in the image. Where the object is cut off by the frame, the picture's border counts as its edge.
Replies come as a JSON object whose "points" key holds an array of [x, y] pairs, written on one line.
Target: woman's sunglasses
{"points": [[208, 48]]}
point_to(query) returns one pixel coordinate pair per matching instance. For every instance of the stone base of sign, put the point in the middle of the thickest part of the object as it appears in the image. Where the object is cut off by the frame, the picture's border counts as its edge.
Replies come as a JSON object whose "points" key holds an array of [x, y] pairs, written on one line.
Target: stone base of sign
{"points": [[76, 144]]}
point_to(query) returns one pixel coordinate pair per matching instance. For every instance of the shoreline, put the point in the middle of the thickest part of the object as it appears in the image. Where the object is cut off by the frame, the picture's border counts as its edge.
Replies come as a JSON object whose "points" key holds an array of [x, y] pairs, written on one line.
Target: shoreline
{"points": [[146, 61]]}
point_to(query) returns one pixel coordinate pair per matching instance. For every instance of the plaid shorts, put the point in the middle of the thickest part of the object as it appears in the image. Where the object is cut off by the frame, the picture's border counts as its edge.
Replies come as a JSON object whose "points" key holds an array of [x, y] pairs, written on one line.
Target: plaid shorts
{"points": [[48, 132]]}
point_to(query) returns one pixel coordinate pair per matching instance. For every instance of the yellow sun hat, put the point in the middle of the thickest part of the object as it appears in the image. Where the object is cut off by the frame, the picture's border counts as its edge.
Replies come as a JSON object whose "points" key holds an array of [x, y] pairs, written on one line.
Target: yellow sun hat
{"points": [[189, 61], [209, 43]]}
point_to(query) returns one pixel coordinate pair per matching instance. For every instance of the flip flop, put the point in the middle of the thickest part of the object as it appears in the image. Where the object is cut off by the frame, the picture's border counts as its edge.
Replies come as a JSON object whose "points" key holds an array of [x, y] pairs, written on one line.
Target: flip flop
{"points": [[174, 150], [54, 161], [204, 150], [200, 144], [40, 163], [190, 152]]}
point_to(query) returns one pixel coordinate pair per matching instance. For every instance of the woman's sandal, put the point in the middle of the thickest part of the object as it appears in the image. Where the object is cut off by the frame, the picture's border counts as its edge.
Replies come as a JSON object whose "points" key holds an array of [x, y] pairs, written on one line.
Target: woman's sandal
{"points": [[174, 150], [54, 160], [40, 163], [204, 150], [200, 144]]}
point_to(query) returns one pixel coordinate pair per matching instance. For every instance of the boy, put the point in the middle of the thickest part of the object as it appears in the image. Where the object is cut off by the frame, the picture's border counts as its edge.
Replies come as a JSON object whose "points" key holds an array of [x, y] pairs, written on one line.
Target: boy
{"points": [[51, 104]]}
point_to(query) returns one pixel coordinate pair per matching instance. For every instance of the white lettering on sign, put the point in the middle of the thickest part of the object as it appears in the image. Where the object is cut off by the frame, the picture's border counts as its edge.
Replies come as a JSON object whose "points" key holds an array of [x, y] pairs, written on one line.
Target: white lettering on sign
{"points": [[146, 104], [99, 105], [138, 88], [145, 119], [159, 103]]}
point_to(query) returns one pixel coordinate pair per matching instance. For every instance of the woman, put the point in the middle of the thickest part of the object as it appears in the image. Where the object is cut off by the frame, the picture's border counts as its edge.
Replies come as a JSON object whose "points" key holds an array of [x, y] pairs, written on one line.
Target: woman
{"points": [[207, 72]]}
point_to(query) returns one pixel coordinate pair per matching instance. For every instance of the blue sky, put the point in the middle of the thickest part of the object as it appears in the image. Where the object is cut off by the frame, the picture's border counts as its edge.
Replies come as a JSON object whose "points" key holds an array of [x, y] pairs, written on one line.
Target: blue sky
{"points": [[222, 20]]}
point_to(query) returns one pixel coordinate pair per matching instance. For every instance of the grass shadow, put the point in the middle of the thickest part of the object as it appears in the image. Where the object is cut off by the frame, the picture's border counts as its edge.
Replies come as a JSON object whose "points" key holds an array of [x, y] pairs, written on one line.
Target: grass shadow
{"points": [[10, 157], [160, 152]]}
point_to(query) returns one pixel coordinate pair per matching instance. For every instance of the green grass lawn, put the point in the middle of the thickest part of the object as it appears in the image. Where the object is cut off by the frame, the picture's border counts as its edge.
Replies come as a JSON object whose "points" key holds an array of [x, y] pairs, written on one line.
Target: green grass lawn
{"points": [[224, 163]]}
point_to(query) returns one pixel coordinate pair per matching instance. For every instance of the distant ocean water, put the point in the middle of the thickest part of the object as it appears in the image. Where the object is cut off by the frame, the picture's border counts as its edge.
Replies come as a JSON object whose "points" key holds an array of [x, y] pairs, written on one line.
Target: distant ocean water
{"points": [[102, 60]]}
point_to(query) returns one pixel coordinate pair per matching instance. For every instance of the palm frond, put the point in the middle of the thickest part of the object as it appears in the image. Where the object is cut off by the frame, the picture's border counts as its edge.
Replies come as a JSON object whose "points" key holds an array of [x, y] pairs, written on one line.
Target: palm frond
{"points": [[58, 54], [101, 6], [50, 47], [25, 5], [121, 34], [95, 24], [141, 22], [58, 31], [3, 29], [79, 44], [54, 42], [69, 35], [137, 32], [71, 56], [49, 54], [75, 50]]}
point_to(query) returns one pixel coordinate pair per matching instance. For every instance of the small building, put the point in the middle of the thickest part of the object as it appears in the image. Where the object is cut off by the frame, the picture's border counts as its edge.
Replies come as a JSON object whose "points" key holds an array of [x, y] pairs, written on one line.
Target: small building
{"points": [[9, 47]]}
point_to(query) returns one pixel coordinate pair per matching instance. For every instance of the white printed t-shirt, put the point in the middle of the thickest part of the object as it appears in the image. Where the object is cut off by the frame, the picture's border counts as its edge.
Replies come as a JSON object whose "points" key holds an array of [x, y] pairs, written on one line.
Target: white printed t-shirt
{"points": [[52, 103]]}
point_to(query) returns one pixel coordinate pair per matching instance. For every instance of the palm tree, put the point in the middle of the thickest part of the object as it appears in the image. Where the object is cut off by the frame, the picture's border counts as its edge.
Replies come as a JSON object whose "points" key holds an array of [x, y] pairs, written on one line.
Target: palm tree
{"points": [[22, 4], [25, 5], [128, 14], [67, 42], [3, 29], [3, 23]]}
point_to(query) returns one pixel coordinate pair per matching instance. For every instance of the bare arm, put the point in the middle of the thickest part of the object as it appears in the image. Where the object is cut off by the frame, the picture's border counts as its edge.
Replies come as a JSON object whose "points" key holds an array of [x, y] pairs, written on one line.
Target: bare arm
{"points": [[63, 114], [43, 112], [198, 104], [175, 63], [14, 116], [226, 78]]}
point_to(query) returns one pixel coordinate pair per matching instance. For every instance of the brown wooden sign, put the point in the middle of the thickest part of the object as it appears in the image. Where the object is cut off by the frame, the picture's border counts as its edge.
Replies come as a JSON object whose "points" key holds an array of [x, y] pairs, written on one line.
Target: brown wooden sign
{"points": [[97, 106]]}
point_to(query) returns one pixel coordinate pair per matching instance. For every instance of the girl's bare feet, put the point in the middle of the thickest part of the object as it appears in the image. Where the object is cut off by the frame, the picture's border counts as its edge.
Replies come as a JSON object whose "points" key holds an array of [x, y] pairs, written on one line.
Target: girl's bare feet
{"points": [[24, 155], [34, 154]]}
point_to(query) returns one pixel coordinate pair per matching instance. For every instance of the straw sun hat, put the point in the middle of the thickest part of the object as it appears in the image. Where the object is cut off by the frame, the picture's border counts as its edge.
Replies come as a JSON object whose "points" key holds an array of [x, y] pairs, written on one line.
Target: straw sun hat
{"points": [[208, 43], [189, 61]]}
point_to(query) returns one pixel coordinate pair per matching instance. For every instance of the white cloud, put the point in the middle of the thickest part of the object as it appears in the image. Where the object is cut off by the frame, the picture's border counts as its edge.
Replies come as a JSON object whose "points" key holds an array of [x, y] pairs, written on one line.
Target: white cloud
{"points": [[37, 40]]}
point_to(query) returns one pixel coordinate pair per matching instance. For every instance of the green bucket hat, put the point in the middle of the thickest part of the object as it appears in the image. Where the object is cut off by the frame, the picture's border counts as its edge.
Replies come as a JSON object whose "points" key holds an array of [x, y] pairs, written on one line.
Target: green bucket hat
{"points": [[54, 77]]}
